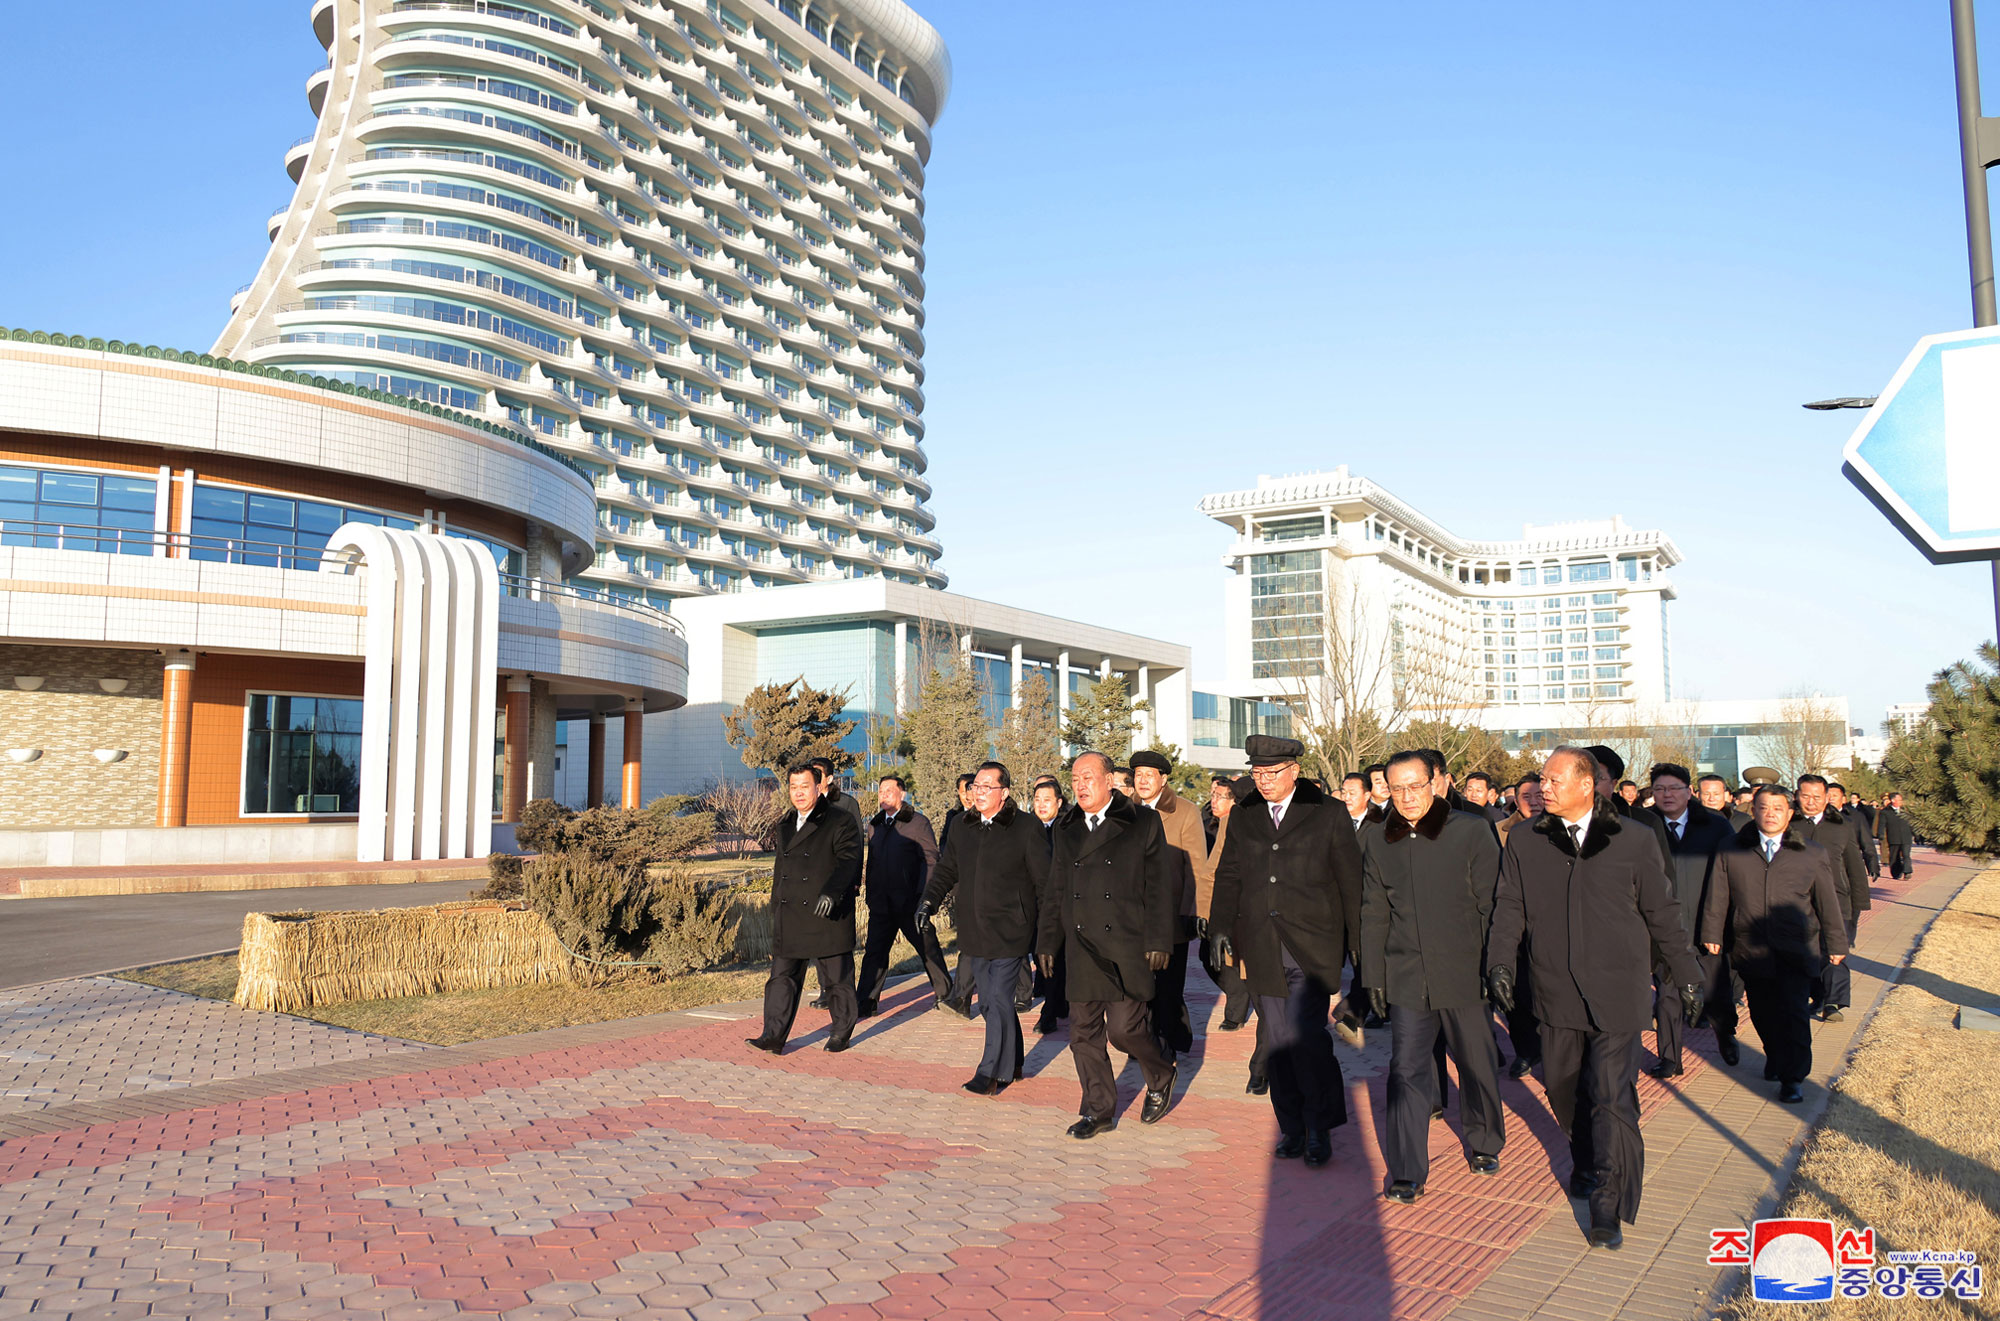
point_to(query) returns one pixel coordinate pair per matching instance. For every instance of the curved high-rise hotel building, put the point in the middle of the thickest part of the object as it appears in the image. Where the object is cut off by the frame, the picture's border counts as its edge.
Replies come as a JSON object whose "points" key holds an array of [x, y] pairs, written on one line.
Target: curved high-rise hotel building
{"points": [[681, 244]]}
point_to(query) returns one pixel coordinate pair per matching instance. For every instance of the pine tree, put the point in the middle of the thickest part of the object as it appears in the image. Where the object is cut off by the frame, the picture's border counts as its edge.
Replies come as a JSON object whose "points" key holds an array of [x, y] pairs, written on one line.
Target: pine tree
{"points": [[1028, 741], [776, 728], [1103, 719], [1948, 770], [946, 730]]}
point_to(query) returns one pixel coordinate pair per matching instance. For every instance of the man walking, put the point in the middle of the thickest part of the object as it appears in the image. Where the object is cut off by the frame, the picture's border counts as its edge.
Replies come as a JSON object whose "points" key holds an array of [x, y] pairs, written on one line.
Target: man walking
{"points": [[1897, 837], [998, 864], [1187, 858], [813, 879], [1287, 892], [1699, 835], [1236, 999], [962, 990], [1523, 1033], [1485, 799], [1817, 824], [1774, 909], [1426, 897], [1856, 815], [901, 852], [1111, 908], [1714, 791], [1591, 893]]}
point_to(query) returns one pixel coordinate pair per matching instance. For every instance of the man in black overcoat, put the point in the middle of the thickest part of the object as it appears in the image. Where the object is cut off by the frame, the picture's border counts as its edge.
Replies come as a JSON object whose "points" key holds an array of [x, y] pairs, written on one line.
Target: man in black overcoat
{"points": [[1591, 892], [1714, 794], [1610, 767], [1287, 892], [1896, 835], [1426, 897], [1817, 823], [814, 878], [998, 865], [1856, 814], [1112, 909], [1698, 835], [901, 853], [1774, 908]]}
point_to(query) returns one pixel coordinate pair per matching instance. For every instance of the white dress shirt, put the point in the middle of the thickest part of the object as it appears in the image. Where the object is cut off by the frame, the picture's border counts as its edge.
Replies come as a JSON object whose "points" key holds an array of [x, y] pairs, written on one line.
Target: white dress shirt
{"points": [[1577, 829]]}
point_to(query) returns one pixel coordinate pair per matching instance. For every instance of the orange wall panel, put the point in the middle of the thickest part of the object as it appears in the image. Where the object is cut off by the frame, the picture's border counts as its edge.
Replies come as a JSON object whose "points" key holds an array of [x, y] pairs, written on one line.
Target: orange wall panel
{"points": [[221, 687]]}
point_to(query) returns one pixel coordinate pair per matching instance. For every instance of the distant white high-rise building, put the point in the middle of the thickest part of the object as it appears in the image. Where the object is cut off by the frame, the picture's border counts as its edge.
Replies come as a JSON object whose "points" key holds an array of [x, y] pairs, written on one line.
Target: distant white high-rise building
{"points": [[1345, 590]]}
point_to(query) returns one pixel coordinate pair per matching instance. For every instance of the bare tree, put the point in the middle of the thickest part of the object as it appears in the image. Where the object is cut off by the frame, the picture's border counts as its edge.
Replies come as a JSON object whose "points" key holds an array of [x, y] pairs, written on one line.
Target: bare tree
{"points": [[1673, 735], [1810, 726], [1027, 740], [747, 809]]}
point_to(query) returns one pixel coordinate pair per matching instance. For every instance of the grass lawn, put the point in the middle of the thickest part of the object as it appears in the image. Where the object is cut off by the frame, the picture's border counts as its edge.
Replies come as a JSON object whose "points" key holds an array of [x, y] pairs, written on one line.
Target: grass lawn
{"points": [[1910, 1142], [450, 1017]]}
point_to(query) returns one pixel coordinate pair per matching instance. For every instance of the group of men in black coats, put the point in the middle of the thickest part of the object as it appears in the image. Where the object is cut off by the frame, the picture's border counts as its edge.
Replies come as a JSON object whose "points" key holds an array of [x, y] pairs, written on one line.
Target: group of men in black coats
{"points": [[1580, 910]]}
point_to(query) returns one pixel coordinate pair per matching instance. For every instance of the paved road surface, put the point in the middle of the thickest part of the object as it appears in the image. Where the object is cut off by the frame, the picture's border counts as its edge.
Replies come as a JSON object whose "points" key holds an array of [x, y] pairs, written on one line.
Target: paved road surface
{"points": [[44, 939]]}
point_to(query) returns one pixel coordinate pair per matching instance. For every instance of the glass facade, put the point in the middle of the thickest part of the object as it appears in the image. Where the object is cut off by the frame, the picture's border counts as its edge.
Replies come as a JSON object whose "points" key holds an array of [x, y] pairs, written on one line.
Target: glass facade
{"points": [[1225, 722], [302, 756], [1287, 615], [63, 509], [252, 527]]}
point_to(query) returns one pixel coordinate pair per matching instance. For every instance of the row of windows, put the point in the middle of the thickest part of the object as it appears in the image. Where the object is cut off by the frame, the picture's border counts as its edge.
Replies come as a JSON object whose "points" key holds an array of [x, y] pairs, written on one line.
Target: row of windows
{"points": [[63, 510]]}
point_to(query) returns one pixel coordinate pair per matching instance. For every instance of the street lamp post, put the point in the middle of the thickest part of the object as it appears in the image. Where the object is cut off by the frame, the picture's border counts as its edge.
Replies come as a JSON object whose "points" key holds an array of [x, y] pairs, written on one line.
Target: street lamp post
{"points": [[1978, 148]]}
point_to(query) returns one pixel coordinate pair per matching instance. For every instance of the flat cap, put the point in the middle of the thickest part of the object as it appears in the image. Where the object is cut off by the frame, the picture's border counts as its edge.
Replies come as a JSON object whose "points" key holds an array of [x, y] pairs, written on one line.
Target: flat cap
{"points": [[1267, 750], [1154, 760]]}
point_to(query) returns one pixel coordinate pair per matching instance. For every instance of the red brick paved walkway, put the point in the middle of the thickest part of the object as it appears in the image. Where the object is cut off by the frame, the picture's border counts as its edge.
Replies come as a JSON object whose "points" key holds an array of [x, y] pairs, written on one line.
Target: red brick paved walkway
{"points": [[662, 1168]]}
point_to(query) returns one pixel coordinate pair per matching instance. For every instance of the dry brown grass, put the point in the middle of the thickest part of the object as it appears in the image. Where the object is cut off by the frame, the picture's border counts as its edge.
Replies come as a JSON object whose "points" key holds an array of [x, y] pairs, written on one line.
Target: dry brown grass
{"points": [[451, 1017], [294, 961], [1910, 1142]]}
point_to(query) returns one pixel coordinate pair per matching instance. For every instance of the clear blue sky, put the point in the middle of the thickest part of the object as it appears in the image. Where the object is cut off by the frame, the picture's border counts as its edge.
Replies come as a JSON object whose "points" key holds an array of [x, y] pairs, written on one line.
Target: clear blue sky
{"points": [[1516, 263]]}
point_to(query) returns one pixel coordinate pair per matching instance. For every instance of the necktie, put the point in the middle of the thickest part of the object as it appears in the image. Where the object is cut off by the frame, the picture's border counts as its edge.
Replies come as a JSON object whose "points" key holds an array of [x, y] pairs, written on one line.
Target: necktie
{"points": [[1770, 849], [1277, 814], [1095, 819], [1576, 834], [1675, 826]]}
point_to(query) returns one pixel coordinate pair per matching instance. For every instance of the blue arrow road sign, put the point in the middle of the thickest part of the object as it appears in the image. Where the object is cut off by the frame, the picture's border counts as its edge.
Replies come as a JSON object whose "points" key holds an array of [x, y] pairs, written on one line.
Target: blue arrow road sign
{"points": [[1928, 453]]}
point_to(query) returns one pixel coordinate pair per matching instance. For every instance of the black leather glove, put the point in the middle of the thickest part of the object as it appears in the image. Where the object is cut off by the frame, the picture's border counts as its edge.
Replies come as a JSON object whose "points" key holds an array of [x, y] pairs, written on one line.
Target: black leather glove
{"points": [[1692, 1003], [823, 906], [1200, 928], [1500, 988], [1378, 1001], [923, 912], [1225, 951], [1048, 962]]}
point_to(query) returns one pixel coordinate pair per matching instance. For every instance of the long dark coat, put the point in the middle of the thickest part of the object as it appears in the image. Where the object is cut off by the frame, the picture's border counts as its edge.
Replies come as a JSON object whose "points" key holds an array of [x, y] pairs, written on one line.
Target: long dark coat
{"points": [[999, 870], [901, 852], [1112, 896], [1835, 834], [823, 858], [1295, 887], [1893, 829], [1597, 924], [1864, 836], [1426, 897], [1780, 916], [1694, 860]]}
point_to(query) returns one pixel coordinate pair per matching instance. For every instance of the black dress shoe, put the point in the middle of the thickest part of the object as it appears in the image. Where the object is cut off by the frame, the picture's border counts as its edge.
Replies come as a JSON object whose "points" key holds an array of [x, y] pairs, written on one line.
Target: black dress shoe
{"points": [[1090, 1128], [1664, 1070], [1726, 1047], [1229, 1025], [1830, 1014], [1158, 1100], [834, 1045], [1483, 1164], [820, 1001], [867, 1009], [1404, 1192], [955, 1007], [771, 1044], [1258, 1085], [1374, 1020], [1046, 1024], [1319, 1149], [1437, 1113], [981, 1085], [1583, 1185], [1790, 1094], [1521, 1067], [1610, 1237], [1290, 1148], [1023, 1005]]}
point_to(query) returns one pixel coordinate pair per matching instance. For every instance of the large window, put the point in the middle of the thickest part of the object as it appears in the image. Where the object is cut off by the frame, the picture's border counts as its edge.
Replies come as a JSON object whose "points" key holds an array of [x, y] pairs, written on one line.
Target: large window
{"points": [[1287, 615], [302, 756], [67, 510], [251, 527]]}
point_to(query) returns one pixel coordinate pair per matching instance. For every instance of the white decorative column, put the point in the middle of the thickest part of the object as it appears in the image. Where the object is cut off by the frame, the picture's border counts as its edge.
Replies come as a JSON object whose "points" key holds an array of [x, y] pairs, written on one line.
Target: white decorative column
{"points": [[1149, 729], [1014, 662], [902, 663]]}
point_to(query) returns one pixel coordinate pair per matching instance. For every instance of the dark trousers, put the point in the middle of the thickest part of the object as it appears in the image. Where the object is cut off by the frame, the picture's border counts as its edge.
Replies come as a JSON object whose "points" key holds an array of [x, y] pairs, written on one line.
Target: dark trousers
{"points": [[884, 925], [1591, 1079], [1024, 984], [1230, 981], [1836, 983], [996, 979], [1783, 1019], [1308, 1093], [1413, 1092], [788, 976], [1524, 1032], [1899, 860], [1170, 1012], [1054, 989], [1719, 1006], [962, 989], [1127, 1024]]}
